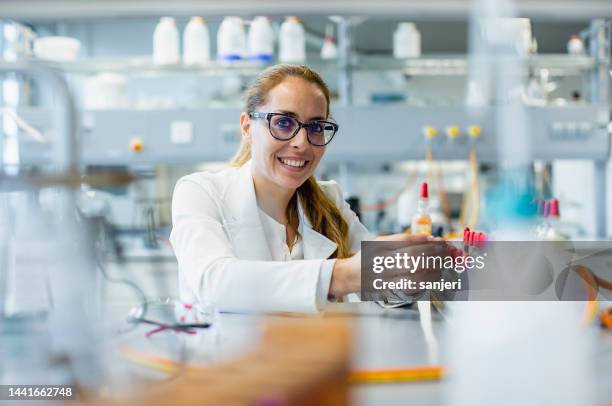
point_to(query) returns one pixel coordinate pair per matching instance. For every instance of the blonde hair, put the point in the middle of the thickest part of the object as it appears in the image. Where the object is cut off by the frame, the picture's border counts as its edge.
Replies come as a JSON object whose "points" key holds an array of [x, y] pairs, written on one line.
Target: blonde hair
{"points": [[321, 211]]}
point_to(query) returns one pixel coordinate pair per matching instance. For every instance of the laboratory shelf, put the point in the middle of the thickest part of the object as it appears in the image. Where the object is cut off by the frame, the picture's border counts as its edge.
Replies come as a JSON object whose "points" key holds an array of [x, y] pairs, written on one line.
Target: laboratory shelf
{"points": [[445, 10], [144, 65], [457, 64], [426, 65]]}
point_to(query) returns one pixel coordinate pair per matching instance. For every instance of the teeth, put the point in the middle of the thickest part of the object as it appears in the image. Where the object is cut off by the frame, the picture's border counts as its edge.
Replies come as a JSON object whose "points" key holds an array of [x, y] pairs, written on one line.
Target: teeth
{"points": [[290, 162]]}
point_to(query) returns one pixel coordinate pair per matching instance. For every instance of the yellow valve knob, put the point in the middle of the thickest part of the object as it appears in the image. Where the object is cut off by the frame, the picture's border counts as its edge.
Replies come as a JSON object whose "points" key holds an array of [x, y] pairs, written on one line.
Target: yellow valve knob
{"points": [[452, 131], [136, 145], [430, 132], [474, 131]]}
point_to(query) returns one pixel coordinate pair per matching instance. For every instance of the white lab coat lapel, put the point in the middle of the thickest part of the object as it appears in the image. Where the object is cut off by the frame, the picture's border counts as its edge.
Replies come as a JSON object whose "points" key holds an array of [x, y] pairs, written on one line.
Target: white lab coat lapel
{"points": [[243, 222], [316, 245], [246, 231]]}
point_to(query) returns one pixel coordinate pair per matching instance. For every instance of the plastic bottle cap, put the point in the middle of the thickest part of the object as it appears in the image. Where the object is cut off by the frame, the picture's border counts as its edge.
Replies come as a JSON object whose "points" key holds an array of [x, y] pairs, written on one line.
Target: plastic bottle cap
{"points": [[167, 20], [292, 19], [573, 36], [554, 207], [136, 145], [197, 20], [234, 20], [424, 190], [481, 239], [407, 26], [466, 233]]}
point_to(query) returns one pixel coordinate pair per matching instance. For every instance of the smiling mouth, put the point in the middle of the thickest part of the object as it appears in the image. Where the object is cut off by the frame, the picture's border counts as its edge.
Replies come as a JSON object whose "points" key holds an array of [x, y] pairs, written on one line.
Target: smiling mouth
{"points": [[293, 163]]}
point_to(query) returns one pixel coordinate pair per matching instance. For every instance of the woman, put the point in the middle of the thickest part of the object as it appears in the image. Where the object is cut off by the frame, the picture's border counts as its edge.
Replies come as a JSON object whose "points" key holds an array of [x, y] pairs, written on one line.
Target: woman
{"points": [[264, 234]]}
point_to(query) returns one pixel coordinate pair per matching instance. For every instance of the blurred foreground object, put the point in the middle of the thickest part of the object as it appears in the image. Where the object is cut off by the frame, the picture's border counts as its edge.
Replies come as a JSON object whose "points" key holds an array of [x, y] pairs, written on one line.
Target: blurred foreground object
{"points": [[298, 361]]}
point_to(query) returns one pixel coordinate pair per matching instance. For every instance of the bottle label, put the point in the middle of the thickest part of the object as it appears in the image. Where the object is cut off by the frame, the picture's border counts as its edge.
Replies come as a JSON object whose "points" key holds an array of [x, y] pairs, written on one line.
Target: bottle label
{"points": [[262, 57], [231, 57], [421, 226]]}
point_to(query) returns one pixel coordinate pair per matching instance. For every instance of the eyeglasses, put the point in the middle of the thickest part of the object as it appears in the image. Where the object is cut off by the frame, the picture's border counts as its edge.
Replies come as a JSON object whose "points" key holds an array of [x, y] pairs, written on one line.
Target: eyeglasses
{"points": [[283, 127]]}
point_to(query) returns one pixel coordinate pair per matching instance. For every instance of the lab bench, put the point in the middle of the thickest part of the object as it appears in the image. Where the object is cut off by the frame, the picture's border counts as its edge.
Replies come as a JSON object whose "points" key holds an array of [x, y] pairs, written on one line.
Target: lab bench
{"points": [[385, 339]]}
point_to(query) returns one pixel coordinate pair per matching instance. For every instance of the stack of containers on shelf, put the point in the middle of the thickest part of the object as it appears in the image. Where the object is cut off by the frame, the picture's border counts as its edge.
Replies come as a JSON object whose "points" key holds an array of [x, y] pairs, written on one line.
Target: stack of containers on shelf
{"points": [[196, 42], [231, 39], [292, 41], [166, 42], [261, 40], [406, 41]]}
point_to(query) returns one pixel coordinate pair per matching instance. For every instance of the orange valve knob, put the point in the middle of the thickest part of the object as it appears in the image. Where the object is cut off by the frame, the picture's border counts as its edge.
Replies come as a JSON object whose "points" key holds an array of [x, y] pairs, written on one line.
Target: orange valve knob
{"points": [[136, 145], [606, 318]]}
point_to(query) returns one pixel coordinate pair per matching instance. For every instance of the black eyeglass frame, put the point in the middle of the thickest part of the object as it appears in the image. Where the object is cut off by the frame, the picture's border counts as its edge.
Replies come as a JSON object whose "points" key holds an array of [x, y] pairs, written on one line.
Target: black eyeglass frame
{"points": [[268, 116]]}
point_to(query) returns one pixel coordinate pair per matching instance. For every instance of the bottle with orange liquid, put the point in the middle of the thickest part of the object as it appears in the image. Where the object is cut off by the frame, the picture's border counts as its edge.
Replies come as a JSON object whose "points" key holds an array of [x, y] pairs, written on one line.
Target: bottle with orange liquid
{"points": [[421, 221]]}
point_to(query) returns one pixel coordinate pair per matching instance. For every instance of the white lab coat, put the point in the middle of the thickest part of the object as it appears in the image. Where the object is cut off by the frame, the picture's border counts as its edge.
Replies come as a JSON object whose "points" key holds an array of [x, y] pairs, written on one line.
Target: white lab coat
{"points": [[223, 254]]}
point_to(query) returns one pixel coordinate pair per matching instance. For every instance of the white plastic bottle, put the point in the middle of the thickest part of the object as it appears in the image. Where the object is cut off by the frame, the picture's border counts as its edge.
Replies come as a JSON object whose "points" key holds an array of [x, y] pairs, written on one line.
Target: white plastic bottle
{"points": [[231, 39], [196, 42], [575, 46], [292, 41], [525, 44], [329, 50], [406, 41], [166, 42], [261, 39]]}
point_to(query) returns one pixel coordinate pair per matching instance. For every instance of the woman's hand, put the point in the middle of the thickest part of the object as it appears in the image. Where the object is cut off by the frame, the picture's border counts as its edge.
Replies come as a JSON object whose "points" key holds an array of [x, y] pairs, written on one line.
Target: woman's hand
{"points": [[346, 275]]}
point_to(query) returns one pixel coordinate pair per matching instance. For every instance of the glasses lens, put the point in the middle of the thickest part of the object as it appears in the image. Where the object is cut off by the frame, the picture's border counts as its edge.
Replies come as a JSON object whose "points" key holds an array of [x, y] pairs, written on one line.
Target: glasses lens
{"points": [[282, 127], [321, 132]]}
